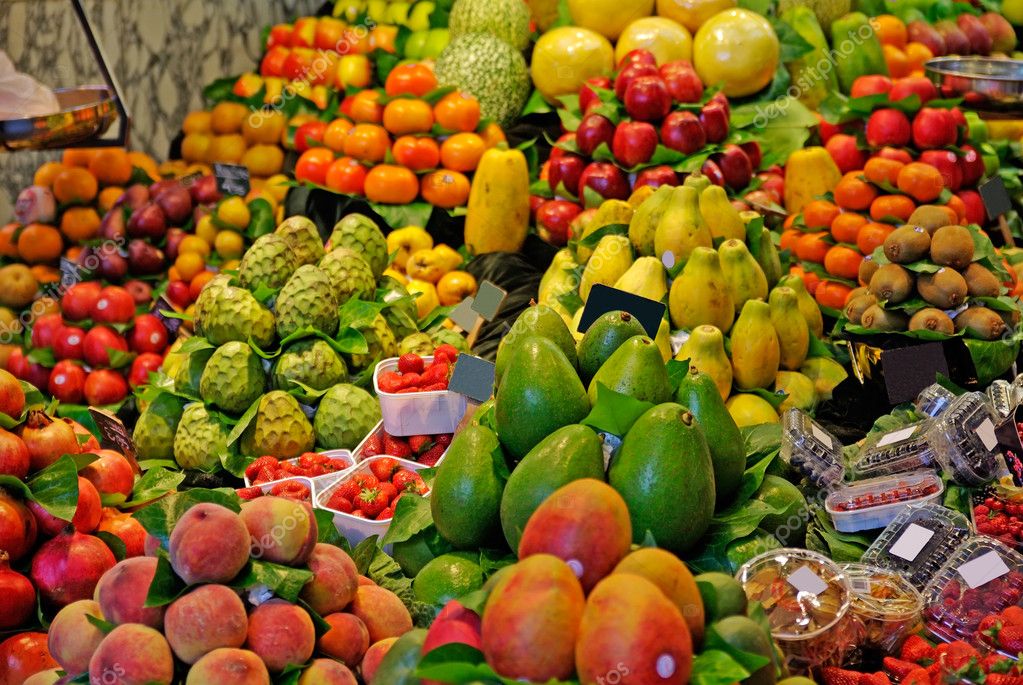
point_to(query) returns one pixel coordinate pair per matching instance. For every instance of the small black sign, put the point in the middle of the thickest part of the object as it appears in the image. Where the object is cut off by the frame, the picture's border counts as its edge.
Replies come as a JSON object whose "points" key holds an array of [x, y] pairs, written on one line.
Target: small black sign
{"points": [[908, 370], [116, 435], [996, 197], [604, 299], [171, 323], [232, 179], [472, 377]]}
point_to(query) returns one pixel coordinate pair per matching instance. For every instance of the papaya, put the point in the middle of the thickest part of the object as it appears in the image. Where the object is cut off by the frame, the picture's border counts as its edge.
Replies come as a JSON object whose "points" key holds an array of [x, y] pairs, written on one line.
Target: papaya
{"points": [[790, 327], [808, 306], [700, 295], [867, 58], [755, 348], [497, 219], [643, 226], [743, 275], [610, 260], [809, 173], [705, 350], [682, 228], [644, 278], [722, 218], [609, 212]]}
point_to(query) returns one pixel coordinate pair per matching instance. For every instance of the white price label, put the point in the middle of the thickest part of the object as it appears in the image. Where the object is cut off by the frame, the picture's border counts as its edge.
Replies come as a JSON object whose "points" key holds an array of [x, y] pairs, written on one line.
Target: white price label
{"points": [[983, 569], [986, 433], [897, 436], [911, 542], [805, 580], [822, 435]]}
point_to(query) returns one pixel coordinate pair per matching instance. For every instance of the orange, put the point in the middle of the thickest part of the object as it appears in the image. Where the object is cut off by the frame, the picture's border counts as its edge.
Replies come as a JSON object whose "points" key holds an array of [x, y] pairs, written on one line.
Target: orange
{"points": [[790, 237], [790, 221], [366, 107], [111, 166], [832, 294], [890, 30], [73, 252], [462, 152], [882, 170], [227, 148], [846, 227], [197, 122], [812, 247], [195, 147], [818, 214], [457, 112], [890, 208], [872, 236], [410, 79], [40, 244], [8, 240], [107, 197], [46, 173], [346, 175], [404, 116], [263, 160], [335, 133], [80, 156], [843, 262], [312, 166], [809, 278], [75, 186], [198, 282], [898, 63], [854, 193], [189, 265], [80, 224], [227, 117], [392, 185], [45, 274], [445, 188], [956, 204], [416, 153], [921, 181], [493, 135], [146, 163], [916, 55]]}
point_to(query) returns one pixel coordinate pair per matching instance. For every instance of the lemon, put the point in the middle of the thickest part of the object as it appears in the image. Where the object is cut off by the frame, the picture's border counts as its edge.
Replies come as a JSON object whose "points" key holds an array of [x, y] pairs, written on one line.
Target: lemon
{"points": [[564, 58], [738, 49], [277, 185], [666, 39], [749, 410], [229, 245], [234, 212], [205, 229], [692, 13], [608, 17]]}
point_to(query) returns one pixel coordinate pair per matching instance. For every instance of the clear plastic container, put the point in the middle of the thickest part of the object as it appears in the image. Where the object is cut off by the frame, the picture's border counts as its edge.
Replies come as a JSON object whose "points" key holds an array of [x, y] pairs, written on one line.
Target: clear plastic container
{"points": [[917, 542], [886, 604], [418, 413], [806, 597], [284, 487], [992, 510], [964, 440], [898, 451], [1002, 398], [360, 450], [342, 456], [811, 450], [982, 576], [934, 400], [874, 503]]}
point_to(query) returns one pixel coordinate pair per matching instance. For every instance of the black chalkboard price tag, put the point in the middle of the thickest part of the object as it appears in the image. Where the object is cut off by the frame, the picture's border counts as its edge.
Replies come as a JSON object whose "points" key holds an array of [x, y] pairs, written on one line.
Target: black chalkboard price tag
{"points": [[116, 435], [604, 299], [232, 179], [996, 203]]}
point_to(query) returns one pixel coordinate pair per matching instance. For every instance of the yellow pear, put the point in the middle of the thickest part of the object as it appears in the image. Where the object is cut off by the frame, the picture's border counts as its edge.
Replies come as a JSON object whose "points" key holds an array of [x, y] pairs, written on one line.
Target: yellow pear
{"points": [[405, 241], [722, 218], [424, 265]]}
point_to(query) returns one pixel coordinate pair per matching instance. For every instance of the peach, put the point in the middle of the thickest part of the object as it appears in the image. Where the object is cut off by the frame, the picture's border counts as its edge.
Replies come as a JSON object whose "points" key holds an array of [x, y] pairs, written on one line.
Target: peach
{"points": [[207, 618], [281, 633], [123, 526], [122, 590], [48, 677], [327, 672], [111, 474], [334, 580], [132, 654], [383, 613], [374, 655], [209, 544], [227, 666], [363, 580], [72, 639], [283, 531], [347, 640]]}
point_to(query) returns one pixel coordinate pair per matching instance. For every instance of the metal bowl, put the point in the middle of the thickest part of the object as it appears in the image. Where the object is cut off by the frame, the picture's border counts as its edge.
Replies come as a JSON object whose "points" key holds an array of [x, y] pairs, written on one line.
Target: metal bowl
{"points": [[86, 112], [984, 83]]}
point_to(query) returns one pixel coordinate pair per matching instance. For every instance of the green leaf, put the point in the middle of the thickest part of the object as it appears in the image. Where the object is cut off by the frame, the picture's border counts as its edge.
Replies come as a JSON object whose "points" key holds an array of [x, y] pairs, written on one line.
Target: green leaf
{"points": [[819, 348], [327, 532], [115, 543], [435, 317], [677, 371], [761, 439], [536, 104], [243, 422], [235, 463], [104, 626], [363, 554], [396, 216], [716, 667], [284, 581], [749, 661], [614, 412], [119, 359], [155, 483], [42, 355], [159, 517], [774, 398], [411, 516], [196, 344], [55, 488], [793, 45], [166, 586], [991, 358], [592, 239]]}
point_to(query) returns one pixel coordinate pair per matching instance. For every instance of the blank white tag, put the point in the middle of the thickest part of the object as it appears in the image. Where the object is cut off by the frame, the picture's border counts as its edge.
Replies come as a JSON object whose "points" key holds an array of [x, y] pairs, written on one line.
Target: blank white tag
{"points": [[822, 435], [911, 542], [986, 433], [897, 436], [983, 569], [805, 580]]}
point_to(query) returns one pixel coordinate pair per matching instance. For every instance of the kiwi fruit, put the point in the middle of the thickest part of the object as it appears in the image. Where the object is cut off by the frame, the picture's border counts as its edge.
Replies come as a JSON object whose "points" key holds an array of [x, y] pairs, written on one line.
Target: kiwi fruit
{"points": [[980, 322], [855, 306], [980, 282], [931, 217], [952, 246], [856, 292], [907, 244], [867, 268], [878, 319], [931, 319], [944, 288], [892, 283]]}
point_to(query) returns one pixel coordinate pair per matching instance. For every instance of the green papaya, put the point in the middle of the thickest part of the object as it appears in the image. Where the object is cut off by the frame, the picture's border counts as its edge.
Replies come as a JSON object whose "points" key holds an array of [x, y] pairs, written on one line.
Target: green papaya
{"points": [[698, 393], [466, 497]]}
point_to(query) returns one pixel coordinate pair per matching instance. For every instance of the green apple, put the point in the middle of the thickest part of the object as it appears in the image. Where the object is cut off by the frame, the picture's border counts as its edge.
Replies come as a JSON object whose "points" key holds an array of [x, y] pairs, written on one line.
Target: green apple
{"points": [[415, 46]]}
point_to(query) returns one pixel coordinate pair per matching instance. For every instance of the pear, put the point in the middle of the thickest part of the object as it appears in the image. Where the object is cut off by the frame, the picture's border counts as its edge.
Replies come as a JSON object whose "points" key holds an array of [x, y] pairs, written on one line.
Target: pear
{"points": [[700, 294], [681, 228], [755, 348], [790, 326], [745, 278]]}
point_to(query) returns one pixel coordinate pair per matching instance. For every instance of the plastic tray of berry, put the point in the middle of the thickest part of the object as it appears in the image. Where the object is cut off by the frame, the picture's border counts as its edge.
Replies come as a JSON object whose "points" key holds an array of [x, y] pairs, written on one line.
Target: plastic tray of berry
{"points": [[964, 440], [874, 503], [916, 543], [811, 450], [898, 451], [414, 395], [296, 488], [1003, 632], [312, 465], [981, 577], [363, 499], [997, 512], [426, 450]]}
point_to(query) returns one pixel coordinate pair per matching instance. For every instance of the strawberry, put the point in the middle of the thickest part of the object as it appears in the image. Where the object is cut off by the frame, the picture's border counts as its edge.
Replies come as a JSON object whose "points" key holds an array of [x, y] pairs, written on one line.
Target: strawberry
{"points": [[291, 489], [1013, 616], [359, 513], [839, 676], [1003, 679], [411, 380], [444, 439], [365, 480], [435, 374], [374, 445], [307, 460], [372, 501], [387, 513], [432, 455], [445, 350], [420, 443], [383, 468], [916, 649], [878, 678], [411, 363], [389, 490], [996, 663], [348, 490], [407, 390], [396, 447], [918, 676], [958, 655], [1010, 638], [249, 493], [340, 503], [390, 382], [409, 481], [258, 465], [435, 387], [897, 668], [990, 625]]}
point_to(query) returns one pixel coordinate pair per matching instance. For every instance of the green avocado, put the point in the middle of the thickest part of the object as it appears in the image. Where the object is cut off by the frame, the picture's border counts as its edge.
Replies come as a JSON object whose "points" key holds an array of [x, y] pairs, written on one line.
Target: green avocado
{"points": [[604, 336], [466, 497], [635, 369], [540, 320]]}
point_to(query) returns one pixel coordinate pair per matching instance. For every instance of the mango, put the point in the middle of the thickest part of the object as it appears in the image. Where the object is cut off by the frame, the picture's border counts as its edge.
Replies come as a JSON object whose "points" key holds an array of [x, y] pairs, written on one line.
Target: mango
{"points": [[671, 577]]}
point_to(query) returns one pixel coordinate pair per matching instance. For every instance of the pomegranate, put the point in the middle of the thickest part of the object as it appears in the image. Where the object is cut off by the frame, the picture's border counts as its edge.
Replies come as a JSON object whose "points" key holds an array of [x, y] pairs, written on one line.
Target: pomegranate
{"points": [[66, 568], [12, 395], [111, 474], [22, 656], [47, 440], [131, 532], [87, 442], [17, 596], [17, 526], [14, 459], [85, 519]]}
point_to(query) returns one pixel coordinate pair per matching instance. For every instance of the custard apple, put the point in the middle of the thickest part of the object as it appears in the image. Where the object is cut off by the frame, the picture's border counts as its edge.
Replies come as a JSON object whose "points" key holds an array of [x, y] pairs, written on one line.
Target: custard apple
{"points": [[154, 431], [311, 362], [307, 300], [446, 336], [381, 341], [349, 274], [206, 297], [401, 314], [233, 378], [200, 439], [360, 234], [234, 314], [189, 373], [345, 416], [269, 261], [279, 428], [304, 238], [417, 343]]}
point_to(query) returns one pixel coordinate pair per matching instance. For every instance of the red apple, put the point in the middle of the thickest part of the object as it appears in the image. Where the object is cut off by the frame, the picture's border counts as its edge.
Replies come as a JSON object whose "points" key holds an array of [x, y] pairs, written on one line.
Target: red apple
{"points": [[44, 330], [976, 213], [27, 370], [656, 176], [874, 84], [735, 167], [947, 163], [714, 119], [587, 96], [682, 81], [634, 143], [844, 149], [140, 291], [826, 129], [956, 42], [972, 166], [105, 386], [177, 293], [626, 75], [593, 130], [98, 343], [69, 343], [79, 299], [711, 170], [895, 154], [888, 127], [148, 334], [752, 150], [773, 185], [67, 382], [920, 31], [913, 85], [647, 98], [176, 204], [148, 222], [976, 32], [115, 305], [683, 132], [638, 56], [554, 220], [204, 190], [933, 128], [142, 366], [604, 179], [565, 171]]}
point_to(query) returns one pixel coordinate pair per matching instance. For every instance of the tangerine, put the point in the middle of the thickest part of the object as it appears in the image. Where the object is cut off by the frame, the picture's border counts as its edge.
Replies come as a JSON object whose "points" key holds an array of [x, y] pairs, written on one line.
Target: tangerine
{"points": [[79, 224], [75, 186], [111, 166], [40, 244]]}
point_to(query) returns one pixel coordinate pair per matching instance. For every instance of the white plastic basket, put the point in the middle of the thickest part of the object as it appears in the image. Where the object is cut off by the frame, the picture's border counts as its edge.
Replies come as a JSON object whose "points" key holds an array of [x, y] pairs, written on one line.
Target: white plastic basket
{"points": [[325, 479], [358, 456], [417, 413]]}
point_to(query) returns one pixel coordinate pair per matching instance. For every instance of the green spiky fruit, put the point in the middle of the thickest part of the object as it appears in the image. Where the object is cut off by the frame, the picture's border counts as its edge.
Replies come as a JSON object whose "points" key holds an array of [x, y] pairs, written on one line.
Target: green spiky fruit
{"points": [[307, 300], [350, 275], [186, 380], [279, 428], [206, 298], [270, 261], [304, 238], [360, 234], [380, 340], [233, 379], [417, 343], [345, 416], [446, 336], [154, 431], [234, 314], [313, 363], [200, 439]]}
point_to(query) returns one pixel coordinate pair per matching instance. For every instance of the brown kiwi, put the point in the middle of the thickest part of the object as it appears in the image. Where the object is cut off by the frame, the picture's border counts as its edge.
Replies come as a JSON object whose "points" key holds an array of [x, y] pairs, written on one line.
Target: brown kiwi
{"points": [[867, 268], [856, 292], [878, 319], [931, 319], [944, 288], [980, 282], [907, 244], [931, 217], [952, 246], [892, 283], [980, 322], [855, 306]]}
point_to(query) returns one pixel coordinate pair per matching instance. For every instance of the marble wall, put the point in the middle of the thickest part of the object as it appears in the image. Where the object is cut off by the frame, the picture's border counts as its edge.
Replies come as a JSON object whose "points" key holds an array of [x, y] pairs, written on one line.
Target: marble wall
{"points": [[161, 51]]}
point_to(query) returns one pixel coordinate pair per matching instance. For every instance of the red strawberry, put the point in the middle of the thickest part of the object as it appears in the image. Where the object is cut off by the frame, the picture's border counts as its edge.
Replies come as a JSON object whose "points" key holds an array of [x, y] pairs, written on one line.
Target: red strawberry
{"points": [[387, 513], [446, 350], [359, 513], [383, 468], [365, 480], [996, 663], [1013, 616], [406, 390], [249, 493], [411, 363], [291, 489], [916, 649], [267, 474], [390, 382], [919, 676], [348, 490], [396, 447], [307, 460], [958, 655], [897, 668], [257, 465], [990, 625], [411, 380], [374, 445], [435, 374], [1003, 679], [839, 676], [936, 673], [389, 490], [444, 438], [432, 455], [339, 503], [879, 678], [1011, 639], [435, 387], [409, 481], [372, 501], [420, 443]]}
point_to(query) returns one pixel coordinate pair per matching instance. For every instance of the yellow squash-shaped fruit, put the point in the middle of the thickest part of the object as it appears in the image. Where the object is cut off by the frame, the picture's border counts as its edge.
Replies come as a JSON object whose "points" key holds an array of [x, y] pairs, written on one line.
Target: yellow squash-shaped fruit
{"points": [[498, 212], [755, 349], [697, 180], [609, 212], [705, 350], [640, 195], [559, 279], [808, 173], [644, 278], [545, 12], [802, 394], [681, 228], [790, 326], [807, 305], [609, 262], [722, 218], [663, 339], [700, 294], [745, 278], [643, 225]]}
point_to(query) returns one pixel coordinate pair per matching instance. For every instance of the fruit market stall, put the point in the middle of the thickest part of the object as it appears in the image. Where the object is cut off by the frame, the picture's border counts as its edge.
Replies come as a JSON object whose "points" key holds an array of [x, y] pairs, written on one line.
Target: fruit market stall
{"points": [[550, 341]]}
